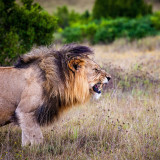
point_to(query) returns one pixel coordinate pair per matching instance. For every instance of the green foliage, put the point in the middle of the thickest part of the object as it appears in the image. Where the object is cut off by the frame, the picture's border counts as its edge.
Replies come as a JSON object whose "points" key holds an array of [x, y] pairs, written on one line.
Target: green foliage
{"points": [[62, 14], [105, 35], [72, 34], [11, 47], [86, 15], [22, 27], [89, 30], [138, 28], [155, 19], [107, 30], [120, 8], [66, 17]]}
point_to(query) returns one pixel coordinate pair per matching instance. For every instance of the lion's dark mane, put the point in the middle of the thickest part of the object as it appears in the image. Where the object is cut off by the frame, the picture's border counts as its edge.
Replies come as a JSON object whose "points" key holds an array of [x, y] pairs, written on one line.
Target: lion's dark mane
{"points": [[53, 66], [66, 52]]}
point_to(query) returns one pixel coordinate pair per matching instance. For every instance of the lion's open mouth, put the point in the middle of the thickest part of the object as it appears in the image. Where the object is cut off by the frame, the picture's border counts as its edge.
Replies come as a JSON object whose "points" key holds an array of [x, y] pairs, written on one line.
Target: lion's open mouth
{"points": [[97, 88]]}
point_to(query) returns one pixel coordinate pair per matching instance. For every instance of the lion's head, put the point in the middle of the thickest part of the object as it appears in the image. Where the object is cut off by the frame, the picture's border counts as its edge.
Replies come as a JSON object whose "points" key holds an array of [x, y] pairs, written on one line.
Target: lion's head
{"points": [[97, 77], [69, 76]]}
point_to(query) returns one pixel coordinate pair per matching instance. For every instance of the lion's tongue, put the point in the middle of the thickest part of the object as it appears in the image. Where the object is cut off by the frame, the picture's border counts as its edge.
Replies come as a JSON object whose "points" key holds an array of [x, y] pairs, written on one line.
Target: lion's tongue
{"points": [[95, 89]]}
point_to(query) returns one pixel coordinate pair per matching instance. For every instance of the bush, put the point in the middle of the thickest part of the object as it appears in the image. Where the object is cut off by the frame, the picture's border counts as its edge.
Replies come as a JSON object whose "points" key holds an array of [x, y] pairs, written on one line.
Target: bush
{"points": [[106, 31], [109, 30], [11, 48], [72, 35], [105, 35], [62, 14], [67, 18], [120, 8], [139, 28], [89, 30], [22, 27], [155, 19]]}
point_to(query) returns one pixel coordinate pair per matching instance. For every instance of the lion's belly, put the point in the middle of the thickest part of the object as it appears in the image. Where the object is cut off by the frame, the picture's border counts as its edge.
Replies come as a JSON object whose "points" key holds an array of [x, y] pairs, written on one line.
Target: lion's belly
{"points": [[11, 86], [6, 110]]}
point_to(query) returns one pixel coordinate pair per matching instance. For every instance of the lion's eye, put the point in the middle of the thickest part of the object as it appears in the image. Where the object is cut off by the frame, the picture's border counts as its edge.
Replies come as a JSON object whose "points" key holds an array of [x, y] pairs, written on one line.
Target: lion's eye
{"points": [[96, 69]]}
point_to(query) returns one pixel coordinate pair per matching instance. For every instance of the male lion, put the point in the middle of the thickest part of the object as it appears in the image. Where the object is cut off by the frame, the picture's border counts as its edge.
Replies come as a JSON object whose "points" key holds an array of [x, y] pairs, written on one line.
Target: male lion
{"points": [[45, 82]]}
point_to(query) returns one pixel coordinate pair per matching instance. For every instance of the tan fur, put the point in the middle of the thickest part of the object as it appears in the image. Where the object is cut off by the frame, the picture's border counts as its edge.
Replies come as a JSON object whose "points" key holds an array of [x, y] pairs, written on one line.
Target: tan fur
{"points": [[43, 84]]}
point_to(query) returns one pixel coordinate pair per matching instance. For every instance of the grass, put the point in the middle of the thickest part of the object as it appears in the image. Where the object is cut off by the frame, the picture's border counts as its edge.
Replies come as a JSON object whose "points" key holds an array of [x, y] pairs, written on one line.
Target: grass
{"points": [[78, 5], [119, 126], [123, 124]]}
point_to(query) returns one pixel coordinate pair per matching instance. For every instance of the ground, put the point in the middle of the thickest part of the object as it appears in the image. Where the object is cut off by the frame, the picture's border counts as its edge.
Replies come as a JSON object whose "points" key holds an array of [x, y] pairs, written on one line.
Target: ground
{"points": [[123, 124]]}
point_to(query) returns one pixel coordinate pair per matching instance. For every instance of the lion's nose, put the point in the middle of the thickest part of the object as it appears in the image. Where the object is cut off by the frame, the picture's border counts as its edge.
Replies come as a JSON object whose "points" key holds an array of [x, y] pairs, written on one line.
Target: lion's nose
{"points": [[108, 78]]}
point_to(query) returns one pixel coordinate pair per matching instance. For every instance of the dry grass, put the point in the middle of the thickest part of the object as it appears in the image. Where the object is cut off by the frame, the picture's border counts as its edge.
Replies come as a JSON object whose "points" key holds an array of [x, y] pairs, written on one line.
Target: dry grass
{"points": [[119, 126], [78, 5], [123, 124]]}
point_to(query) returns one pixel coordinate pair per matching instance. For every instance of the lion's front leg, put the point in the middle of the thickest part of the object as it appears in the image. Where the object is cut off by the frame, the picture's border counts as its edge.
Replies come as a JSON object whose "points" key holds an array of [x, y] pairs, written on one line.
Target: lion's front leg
{"points": [[30, 100], [25, 140], [31, 132]]}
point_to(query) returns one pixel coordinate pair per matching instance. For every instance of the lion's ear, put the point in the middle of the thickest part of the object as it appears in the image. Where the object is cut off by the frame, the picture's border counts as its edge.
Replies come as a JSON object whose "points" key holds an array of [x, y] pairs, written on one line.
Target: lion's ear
{"points": [[75, 64]]}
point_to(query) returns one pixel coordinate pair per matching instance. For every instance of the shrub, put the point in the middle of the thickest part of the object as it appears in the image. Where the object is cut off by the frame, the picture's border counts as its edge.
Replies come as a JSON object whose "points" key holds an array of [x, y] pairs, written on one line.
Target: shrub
{"points": [[86, 15], [120, 8], [89, 30], [62, 14], [155, 19], [72, 34], [105, 35], [22, 27], [139, 28], [67, 18], [107, 30], [11, 48]]}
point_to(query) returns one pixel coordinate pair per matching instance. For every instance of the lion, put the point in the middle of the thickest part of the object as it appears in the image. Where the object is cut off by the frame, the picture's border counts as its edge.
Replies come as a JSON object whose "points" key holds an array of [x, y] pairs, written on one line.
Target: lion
{"points": [[44, 83]]}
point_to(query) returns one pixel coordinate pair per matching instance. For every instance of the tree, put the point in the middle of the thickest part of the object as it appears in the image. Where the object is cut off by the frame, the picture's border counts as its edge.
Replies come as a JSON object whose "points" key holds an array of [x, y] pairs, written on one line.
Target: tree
{"points": [[21, 27], [120, 8]]}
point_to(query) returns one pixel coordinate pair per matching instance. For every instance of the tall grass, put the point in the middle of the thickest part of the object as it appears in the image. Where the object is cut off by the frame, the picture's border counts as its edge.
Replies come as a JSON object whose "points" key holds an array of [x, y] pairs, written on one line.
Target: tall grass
{"points": [[119, 126], [123, 124]]}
